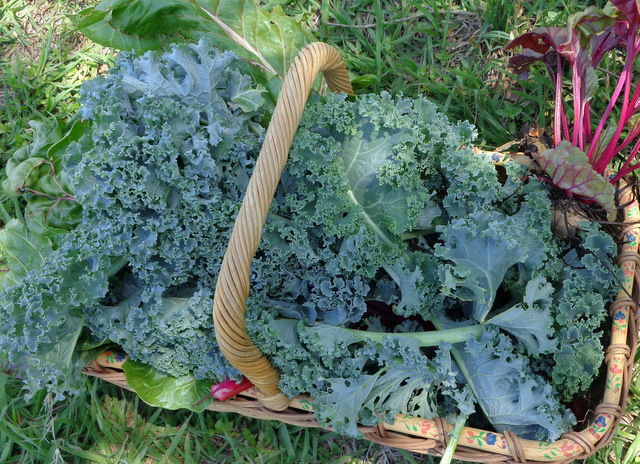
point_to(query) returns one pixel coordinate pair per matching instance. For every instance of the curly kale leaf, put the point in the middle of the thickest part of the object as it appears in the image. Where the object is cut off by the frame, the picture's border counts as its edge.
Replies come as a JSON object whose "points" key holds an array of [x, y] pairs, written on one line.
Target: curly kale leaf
{"points": [[590, 284], [406, 382], [485, 245], [480, 254], [390, 150], [163, 170], [365, 170], [530, 322], [301, 366], [160, 177], [511, 396], [42, 314]]}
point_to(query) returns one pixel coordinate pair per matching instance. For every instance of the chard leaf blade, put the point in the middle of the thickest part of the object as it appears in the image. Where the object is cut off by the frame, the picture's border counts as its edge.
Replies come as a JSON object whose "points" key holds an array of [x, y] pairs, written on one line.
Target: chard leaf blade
{"points": [[23, 246], [570, 170], [163, 391], [268, 39]]}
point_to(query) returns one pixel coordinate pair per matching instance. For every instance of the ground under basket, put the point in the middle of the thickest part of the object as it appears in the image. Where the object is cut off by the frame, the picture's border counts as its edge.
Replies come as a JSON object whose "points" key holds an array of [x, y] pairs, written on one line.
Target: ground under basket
{"points": [[265, 401]]}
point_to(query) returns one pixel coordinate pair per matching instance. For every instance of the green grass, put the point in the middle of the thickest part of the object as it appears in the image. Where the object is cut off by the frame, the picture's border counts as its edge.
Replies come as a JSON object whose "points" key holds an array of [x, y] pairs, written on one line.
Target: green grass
{"points": [[105, 424], [42, 64], [449, 51]]}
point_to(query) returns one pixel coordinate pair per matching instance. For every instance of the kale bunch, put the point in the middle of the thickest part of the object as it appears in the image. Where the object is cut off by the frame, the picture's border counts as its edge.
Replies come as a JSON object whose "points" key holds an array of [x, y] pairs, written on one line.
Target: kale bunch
{"points": [[399, 272]]}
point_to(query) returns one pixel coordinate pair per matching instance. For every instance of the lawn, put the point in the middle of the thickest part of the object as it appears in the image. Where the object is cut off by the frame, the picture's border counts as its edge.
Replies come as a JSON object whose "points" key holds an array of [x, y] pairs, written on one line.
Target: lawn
{"points": [[451, 51]]}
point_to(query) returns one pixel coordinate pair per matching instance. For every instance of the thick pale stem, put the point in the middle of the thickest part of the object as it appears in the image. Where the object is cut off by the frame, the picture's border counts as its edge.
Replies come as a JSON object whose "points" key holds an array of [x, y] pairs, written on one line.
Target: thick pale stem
{"points": [[425, 339], [447, 457]]}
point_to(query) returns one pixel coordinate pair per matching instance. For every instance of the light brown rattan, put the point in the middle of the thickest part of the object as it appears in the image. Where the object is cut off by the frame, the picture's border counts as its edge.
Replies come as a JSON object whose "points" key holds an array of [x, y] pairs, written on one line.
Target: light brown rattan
{"points": [[413, 434], [232, 288]]}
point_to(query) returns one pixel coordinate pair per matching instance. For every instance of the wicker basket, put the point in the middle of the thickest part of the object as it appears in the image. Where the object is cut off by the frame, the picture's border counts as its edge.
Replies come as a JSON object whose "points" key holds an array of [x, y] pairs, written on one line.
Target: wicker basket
{"points": [[265, 401]]}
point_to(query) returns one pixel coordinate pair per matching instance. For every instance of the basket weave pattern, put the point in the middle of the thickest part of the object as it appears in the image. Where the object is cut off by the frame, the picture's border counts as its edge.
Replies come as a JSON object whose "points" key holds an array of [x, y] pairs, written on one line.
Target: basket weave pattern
{"points": [[265, 401]]}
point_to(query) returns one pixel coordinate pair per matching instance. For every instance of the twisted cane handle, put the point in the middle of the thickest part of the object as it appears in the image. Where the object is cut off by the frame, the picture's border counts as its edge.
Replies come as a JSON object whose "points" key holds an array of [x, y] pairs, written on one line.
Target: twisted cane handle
{"points": [[232, 288]]}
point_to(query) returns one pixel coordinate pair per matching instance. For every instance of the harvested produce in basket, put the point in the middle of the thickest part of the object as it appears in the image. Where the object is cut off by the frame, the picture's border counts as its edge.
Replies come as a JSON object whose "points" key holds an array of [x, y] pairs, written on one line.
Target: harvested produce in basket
{"points": [[399, 272]]}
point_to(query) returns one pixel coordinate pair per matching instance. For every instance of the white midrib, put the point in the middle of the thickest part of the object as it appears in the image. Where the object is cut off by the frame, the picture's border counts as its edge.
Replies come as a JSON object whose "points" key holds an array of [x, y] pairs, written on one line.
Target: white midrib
{"points": [[370, 221], [237, 38]]}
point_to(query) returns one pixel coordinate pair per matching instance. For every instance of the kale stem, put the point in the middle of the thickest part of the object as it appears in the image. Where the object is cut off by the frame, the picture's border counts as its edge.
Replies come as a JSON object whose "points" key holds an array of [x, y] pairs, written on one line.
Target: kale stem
{"points": [[461, 365], [455, 438], [426, 339], [116, 265]]}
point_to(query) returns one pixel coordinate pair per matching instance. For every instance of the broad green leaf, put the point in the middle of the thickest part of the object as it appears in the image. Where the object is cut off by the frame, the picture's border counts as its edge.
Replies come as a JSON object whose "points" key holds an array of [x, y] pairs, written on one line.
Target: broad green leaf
{"points": [[570, 170], [163, 391], [23, 246], [530, 323], [267, 39], [481, 253], [60, 213], [24, 174], [57, 149], [45, 134]]}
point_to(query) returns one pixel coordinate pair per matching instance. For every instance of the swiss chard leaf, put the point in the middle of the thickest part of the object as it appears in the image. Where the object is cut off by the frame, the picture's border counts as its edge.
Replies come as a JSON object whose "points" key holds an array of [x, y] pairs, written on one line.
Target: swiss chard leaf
{"points": [[163, 391], [268, 39], [24, 243], [570, 170]]}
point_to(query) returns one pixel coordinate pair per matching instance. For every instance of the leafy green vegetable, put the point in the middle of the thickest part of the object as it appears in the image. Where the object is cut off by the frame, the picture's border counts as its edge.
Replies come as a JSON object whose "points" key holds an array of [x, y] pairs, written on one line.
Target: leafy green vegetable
{"points": [[397, 273], [482, 254], [43, 209], [24, 243], [570, 170], [270, 40], [370, 398], [163, 391], [511, 396]]}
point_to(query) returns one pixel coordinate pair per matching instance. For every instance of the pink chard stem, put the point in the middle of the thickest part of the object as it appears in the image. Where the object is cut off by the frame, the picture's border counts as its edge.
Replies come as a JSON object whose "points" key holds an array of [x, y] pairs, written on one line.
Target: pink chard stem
{"points": [[625, 82]]}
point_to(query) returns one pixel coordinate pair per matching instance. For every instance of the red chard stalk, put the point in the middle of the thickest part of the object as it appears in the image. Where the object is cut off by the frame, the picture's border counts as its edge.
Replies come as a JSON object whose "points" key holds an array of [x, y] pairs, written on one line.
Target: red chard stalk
{"points": [[610, 147]]}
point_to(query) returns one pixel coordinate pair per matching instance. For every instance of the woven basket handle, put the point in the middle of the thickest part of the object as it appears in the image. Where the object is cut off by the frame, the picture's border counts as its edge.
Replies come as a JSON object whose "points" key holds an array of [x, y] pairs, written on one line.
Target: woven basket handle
{"points": [[232, 288]]}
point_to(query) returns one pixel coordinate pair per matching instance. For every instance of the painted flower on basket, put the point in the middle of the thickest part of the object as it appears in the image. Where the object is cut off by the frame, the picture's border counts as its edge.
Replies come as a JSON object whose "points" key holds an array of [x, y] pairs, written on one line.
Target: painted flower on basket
{"points": [[615, 370], [599, 426], [568, 448], [426, 426], [113, 358], [619, 321], [487, 438]]}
